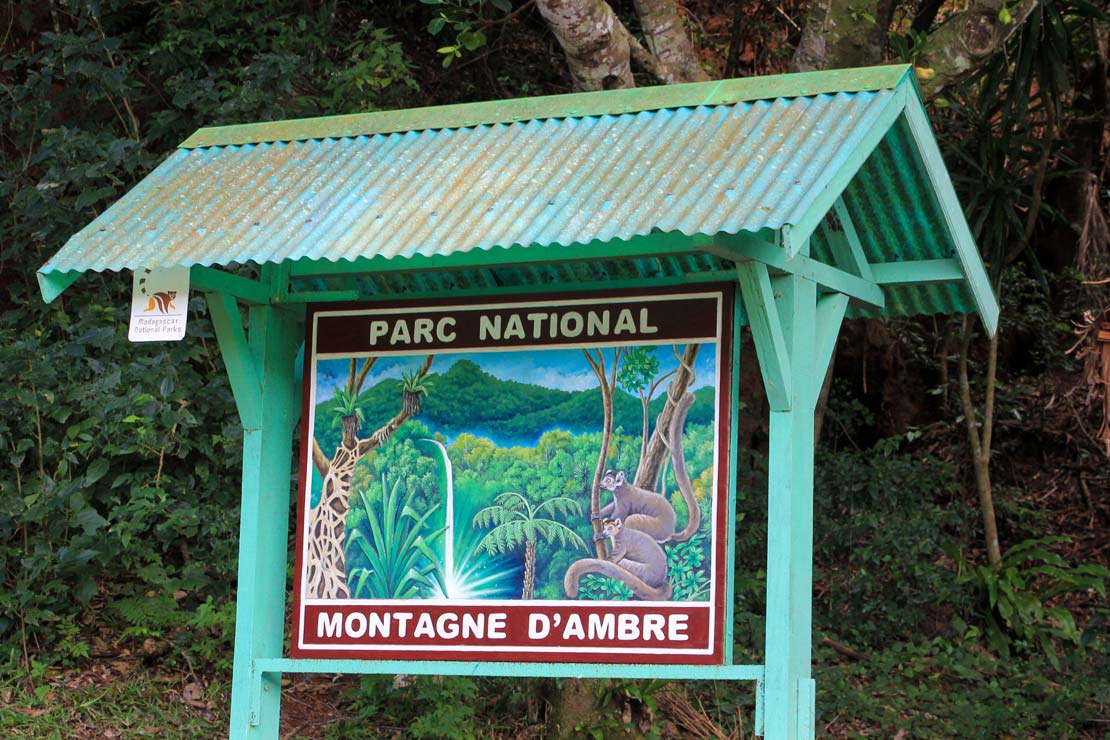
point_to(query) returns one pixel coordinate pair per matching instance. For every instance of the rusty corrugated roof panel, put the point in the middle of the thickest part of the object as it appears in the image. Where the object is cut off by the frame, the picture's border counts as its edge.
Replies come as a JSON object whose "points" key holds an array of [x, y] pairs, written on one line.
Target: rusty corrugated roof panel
{"points": [[554, 174], [702, 170]]}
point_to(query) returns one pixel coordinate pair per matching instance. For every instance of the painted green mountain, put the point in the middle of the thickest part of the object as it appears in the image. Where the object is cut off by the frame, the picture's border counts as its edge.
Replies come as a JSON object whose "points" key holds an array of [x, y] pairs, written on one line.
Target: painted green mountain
{"points": [[468, 399]]}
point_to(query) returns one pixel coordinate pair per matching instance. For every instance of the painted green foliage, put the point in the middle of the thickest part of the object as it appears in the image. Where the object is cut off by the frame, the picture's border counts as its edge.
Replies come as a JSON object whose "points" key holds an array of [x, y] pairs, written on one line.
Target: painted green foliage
{"points": [[519, 506], [515, 523], [400, 562]]}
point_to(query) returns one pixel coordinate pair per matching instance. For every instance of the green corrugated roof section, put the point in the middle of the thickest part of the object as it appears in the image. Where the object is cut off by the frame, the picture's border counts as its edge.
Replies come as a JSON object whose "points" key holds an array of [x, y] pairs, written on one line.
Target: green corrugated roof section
{"points": [[558, 191]]}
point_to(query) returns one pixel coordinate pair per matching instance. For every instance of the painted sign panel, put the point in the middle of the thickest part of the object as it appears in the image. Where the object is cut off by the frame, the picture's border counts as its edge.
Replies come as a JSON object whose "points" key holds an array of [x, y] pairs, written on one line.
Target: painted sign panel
{"points": [[526, 479]]}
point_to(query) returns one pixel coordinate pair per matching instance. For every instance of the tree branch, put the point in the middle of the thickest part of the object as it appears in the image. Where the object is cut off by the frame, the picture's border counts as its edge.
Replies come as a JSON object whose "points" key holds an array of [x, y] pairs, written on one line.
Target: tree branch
{"points": [[957, 48], [369, 363], [668, 42], [588, 31], [644, 59], [320, 461]]}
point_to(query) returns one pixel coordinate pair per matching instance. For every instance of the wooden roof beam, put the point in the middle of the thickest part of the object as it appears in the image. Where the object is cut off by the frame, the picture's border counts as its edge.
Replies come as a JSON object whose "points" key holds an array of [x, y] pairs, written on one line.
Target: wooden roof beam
{"points": [[745, 247]]}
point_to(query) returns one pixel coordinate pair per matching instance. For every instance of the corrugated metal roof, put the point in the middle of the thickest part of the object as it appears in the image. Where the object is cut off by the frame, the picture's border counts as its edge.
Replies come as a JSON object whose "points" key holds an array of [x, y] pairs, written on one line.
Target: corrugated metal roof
{"points": [[571, 181], [755, 166]]}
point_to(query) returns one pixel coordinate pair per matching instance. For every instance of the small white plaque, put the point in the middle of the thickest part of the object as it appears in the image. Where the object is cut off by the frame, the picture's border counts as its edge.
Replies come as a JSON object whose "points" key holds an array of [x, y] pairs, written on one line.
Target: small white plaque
{"points": [[159, 304]]}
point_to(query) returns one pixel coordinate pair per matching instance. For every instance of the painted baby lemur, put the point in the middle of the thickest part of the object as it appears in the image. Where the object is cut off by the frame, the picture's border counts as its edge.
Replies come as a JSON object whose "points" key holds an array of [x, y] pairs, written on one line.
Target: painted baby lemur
{"points": [[635, 559]]}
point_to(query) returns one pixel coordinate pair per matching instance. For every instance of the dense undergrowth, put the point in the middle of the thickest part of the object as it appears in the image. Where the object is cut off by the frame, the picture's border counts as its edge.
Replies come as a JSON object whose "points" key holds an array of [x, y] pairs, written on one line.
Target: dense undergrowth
{"points": [[904, 641]]}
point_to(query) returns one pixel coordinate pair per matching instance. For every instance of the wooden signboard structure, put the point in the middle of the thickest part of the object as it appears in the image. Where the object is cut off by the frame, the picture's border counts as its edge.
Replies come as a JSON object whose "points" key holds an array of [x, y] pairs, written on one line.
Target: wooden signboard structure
{"points": [[458, 303]]}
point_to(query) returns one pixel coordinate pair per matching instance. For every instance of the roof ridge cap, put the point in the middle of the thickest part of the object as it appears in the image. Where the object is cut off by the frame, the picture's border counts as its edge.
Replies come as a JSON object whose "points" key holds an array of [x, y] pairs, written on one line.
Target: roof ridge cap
{"points": [[572, 105]]}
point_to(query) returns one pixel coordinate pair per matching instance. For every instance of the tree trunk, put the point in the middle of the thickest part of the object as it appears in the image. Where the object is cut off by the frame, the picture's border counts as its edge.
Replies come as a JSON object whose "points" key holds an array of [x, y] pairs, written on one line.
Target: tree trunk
{"points": [[842, 33], [980, 440], [852, 33], [667, 41], [576, 701], [594, 41], [652, 462], [959, 46], [529, 570]]}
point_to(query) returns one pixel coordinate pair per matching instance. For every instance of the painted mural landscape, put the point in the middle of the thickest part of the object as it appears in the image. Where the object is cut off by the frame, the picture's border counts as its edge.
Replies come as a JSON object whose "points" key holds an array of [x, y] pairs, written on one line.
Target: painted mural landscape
{"points": [[511, 465]]}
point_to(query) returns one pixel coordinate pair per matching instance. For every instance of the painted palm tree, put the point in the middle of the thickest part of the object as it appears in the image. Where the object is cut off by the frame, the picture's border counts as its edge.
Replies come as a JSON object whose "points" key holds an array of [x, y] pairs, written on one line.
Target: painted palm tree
{"points": [[327, 559], [517, 523], [347, 407]]}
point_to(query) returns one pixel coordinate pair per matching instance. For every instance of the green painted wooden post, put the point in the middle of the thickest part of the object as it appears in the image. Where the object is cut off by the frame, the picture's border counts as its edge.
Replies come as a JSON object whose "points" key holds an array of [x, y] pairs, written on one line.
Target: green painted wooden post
{"points": [[263, 377], [794, 334]]}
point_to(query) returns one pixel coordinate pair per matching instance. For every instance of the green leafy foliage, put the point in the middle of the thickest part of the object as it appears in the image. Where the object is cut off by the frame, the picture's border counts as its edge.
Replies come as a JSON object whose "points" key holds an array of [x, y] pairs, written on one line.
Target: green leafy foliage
{"points": [[435, 708], [936, 689], [394, 541], [628, 707], [594, 587], [120, 458], [889, 517], [209, 633], [686, 569], [113, 467], [1022, 595], [468, 19]]}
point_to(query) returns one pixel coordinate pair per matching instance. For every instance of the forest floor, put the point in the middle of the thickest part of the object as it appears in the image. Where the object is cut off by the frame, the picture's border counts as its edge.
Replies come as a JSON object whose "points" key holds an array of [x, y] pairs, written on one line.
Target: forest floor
{"points": [[929, 689]]}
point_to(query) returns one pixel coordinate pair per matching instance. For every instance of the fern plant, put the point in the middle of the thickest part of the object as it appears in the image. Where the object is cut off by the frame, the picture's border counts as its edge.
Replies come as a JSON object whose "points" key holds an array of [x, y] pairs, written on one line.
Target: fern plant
{"points": [[516, 523]]}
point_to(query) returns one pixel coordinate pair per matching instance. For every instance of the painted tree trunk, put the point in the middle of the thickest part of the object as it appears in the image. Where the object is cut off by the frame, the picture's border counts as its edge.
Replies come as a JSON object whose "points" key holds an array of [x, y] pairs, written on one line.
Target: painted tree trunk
{"points": [[326, 571], [651, 463], [599, 471], [593, 40], [350, 431], [529, 570], [645, 402]]}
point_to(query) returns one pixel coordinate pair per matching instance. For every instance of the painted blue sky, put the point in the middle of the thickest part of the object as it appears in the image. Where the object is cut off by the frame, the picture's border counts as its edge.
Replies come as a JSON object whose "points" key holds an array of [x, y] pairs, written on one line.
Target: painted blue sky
{"points": [[560, 369]]}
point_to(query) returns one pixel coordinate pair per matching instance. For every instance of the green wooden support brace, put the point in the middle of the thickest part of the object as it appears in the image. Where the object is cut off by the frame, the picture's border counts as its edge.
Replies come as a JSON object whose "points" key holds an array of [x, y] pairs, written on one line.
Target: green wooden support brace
{"points": [[211, 280], [918, 272], [763, 317], [242, 369], [794, 332], [744, 247], [845, 243], [733, 477], [261, 367]]}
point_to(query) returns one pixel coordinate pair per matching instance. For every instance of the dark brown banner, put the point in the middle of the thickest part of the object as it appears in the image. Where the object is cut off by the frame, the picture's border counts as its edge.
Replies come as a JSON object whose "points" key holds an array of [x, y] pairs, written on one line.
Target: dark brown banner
{"points": [[621, 320]]}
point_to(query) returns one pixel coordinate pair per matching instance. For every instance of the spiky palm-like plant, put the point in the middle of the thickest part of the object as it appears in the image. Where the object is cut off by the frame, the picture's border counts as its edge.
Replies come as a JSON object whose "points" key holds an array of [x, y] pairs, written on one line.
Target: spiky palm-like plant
{"points": [[347, 407], [393, 541], [517, 523], [413, 386]]}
